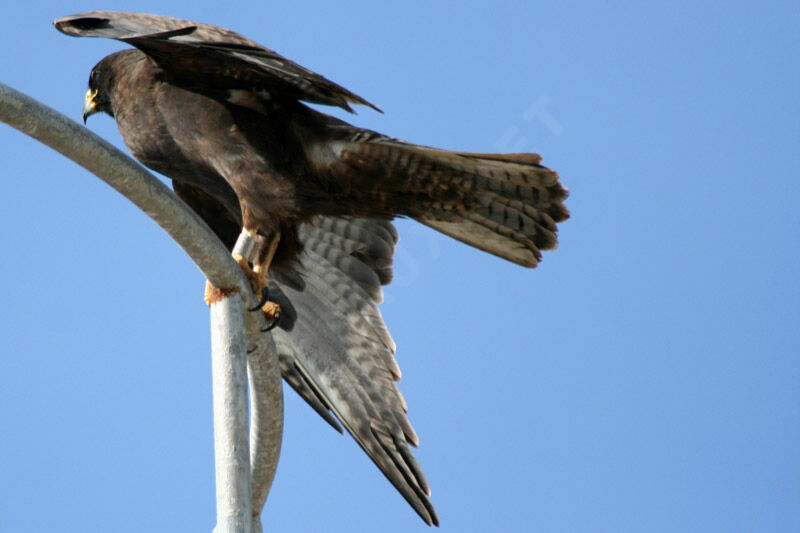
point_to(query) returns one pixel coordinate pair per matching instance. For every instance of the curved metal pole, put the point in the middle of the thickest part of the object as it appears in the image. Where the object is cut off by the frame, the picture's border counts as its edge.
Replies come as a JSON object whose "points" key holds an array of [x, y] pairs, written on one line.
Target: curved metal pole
{"points": [[266, 426], [230, 322], [128, 177]]}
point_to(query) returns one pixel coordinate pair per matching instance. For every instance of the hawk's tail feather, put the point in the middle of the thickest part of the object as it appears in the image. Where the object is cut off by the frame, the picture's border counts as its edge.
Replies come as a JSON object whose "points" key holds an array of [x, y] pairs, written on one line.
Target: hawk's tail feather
{"points": [[504, 204]]}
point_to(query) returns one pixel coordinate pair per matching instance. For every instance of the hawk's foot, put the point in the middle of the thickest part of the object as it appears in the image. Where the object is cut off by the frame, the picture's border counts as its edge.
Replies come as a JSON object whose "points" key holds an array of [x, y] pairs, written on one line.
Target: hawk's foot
{"points": [[257, 277], [214, 294], [258, 281], [273, 313]]}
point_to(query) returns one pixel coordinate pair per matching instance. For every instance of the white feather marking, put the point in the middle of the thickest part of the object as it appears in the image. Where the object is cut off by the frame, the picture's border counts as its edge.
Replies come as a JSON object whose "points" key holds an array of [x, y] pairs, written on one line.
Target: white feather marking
{"points": [[245, 99], [324, 153]]}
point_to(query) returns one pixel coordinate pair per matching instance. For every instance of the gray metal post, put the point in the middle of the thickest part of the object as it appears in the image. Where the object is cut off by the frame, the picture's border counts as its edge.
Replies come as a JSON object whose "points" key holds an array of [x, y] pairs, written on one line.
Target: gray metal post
{"points": [[231, 445]]}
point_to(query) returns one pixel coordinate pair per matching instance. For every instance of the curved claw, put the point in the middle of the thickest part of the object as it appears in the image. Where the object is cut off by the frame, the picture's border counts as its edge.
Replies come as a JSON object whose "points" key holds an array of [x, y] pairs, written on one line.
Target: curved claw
{"points": [[274, 323], [264, 299]]}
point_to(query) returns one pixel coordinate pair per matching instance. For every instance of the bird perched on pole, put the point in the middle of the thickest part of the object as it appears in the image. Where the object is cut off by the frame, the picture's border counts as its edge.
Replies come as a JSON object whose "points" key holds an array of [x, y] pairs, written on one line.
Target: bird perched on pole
{"points": [[225, 118]]}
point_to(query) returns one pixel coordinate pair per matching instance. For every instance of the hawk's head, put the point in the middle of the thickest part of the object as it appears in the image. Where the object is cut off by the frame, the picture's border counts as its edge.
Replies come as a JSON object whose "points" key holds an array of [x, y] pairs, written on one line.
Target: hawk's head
{"points": [[101, 82]]}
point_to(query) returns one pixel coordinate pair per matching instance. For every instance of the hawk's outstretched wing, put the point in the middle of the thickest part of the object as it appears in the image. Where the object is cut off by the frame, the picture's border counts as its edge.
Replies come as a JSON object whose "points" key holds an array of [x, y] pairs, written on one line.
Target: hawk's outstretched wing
{"points": [[339, 339], [221, 58], [334, 349]]}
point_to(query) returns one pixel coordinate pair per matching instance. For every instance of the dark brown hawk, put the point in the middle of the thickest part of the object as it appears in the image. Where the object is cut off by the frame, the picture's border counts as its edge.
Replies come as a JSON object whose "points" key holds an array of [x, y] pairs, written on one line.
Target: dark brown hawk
{"points": [[223, 117]]}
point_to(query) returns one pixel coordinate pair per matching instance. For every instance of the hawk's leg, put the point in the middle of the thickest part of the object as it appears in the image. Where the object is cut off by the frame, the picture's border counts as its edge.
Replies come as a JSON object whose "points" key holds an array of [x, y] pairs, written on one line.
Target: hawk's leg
{"points": [[255, 260], [260, 256]]}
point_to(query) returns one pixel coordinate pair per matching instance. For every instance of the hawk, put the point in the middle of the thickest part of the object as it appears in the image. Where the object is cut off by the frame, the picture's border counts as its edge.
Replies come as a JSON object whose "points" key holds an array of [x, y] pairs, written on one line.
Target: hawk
{"points": [[226, 119]]}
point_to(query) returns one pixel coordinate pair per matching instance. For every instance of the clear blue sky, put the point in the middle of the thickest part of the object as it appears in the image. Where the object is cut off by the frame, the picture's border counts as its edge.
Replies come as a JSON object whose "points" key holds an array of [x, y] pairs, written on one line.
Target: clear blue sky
{"points": [[643, 378]]}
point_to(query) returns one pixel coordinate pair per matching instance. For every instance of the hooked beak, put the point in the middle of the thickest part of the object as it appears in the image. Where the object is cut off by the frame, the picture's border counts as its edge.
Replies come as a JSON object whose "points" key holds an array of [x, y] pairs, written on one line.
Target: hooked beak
{"points": [[89, 106]]}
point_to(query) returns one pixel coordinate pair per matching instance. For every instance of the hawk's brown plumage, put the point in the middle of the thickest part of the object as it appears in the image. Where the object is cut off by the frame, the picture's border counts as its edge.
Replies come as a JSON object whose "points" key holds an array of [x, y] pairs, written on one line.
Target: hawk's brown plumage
{"points": [[222, 116]]}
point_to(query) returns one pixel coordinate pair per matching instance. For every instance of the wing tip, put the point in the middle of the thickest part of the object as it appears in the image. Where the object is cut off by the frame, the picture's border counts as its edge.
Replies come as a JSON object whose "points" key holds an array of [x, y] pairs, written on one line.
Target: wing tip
{"points": [[358, 101], [75, 25]]}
